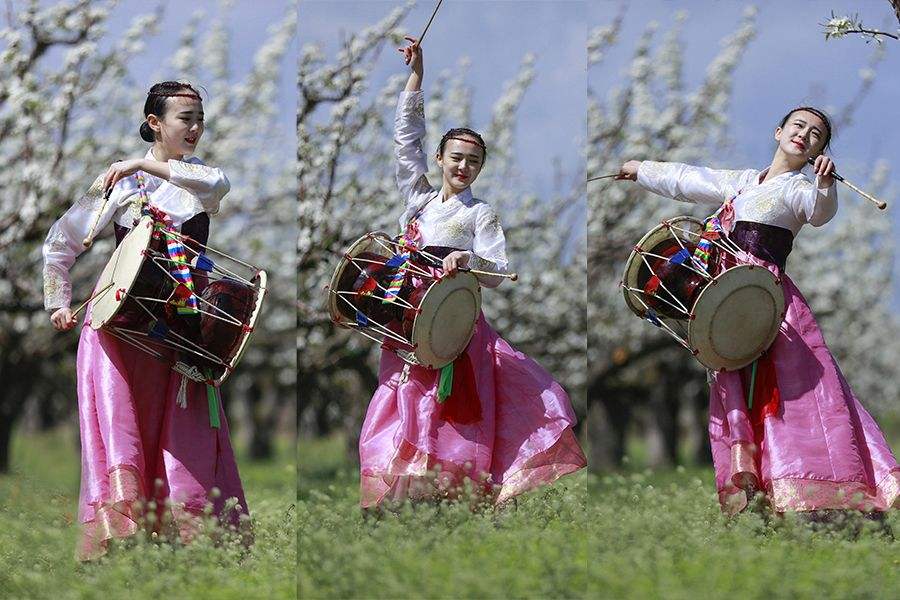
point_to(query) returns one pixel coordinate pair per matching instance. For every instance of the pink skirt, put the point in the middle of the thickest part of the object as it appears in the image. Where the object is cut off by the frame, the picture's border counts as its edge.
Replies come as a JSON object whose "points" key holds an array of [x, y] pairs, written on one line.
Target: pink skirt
{"points": [[514, 436], [812, 446], [146, 463]]}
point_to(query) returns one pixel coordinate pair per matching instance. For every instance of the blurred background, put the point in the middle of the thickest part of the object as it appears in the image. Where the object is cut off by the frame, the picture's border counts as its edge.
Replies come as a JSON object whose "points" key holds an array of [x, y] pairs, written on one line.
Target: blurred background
{"points": [[73, 80], [707, 83], [513, 71]]}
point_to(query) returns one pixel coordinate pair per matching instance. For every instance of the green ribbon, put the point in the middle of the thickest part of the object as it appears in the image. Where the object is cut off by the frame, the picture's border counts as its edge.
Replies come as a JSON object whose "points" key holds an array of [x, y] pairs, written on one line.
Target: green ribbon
{"points": [[446, 384], [752, 385], [213, 400]]}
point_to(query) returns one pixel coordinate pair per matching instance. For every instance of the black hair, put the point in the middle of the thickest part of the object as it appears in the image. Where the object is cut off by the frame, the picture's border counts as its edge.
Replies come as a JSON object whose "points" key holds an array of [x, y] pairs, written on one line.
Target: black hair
{"points": [[459, 132], [156, 103], [819, 113]]}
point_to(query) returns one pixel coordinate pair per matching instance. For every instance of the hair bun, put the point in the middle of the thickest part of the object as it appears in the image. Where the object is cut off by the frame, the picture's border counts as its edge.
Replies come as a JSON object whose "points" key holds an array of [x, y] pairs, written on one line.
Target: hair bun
{"points": [[146, 133]]}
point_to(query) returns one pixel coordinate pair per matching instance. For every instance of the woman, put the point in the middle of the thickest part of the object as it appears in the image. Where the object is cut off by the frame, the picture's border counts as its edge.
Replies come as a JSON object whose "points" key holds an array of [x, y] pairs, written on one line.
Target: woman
{"points": [[140, 453], [507, 425], [805, 441]]}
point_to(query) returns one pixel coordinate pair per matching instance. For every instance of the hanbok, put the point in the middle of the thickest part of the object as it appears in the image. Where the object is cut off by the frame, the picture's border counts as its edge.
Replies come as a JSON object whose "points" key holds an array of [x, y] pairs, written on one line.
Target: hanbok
{"points": [[145, 461], [507, 425], [807, 442]]}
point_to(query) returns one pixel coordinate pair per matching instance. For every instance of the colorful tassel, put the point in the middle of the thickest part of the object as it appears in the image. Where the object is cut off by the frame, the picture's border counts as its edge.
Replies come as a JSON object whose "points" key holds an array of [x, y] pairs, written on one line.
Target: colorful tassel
{"points": [[711, 231], [367, 288], [396, 283], [653, 317], [184, 300], [445, 387], [205, 263], [752, 384], [212, 400], [679, 257], [397, 260]]}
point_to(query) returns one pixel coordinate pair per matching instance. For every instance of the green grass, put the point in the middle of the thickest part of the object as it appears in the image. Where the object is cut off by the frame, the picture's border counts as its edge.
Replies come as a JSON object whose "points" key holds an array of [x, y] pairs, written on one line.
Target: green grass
{"points": [[425, 551], [640, 535], [662, 535], [38, 510]]}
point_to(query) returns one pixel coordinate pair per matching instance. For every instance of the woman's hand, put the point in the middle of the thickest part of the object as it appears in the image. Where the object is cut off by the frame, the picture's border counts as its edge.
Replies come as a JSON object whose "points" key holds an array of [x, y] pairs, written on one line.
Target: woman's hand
{"points": [[63, 319], [455, 260], [824, 167], [119, 170], [629, 170], [412, 55]]}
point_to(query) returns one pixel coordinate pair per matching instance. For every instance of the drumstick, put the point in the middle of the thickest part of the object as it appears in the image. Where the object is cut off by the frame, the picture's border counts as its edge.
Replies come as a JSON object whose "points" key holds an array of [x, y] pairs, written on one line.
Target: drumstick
{"points": [[603, 177], [422, 37], [879, 203], [89, 240], [85, 303], [510, 276]]}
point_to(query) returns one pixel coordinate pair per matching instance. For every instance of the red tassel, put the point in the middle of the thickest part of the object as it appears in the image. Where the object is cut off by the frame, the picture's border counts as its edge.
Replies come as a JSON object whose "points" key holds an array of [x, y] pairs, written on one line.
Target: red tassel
{"points": [[766, 397], [462, 405]]}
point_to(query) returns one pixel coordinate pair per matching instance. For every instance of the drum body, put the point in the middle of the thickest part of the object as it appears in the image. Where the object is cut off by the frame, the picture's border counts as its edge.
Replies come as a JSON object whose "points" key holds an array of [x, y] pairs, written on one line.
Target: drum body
{"points": [[402, 300], [726, 314], [135, 297]]}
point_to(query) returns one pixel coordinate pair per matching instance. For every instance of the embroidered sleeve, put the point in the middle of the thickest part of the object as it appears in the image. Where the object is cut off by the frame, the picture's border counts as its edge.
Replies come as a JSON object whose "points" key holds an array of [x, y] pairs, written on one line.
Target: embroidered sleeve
{"points": [[409, 132], [691, 184], [64, 242], [489, 244], [208, 184], [811, 203]]}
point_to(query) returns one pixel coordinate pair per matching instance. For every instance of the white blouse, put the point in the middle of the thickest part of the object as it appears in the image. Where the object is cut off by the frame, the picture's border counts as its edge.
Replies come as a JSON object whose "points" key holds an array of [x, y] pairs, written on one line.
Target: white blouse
{"points": [[789, 200], [192, 188], [461, 221]]}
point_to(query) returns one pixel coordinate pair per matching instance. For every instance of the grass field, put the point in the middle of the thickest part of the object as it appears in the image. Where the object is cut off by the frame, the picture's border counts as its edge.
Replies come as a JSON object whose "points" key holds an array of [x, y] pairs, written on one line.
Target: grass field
{"points": [[38, 507], [641, 535], [638, 535]]}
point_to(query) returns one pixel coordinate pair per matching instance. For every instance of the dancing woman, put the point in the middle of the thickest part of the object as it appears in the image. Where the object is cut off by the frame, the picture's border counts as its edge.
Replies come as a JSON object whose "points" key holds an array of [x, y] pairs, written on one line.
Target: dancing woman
{"points": [[803, 439], [506, 425], [142, 455]]}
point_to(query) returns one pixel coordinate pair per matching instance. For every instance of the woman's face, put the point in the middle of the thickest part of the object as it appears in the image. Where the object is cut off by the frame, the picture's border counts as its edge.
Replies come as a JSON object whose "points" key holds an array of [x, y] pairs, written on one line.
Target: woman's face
{"points": [[461, 162], [802, 137], [179, 130]]}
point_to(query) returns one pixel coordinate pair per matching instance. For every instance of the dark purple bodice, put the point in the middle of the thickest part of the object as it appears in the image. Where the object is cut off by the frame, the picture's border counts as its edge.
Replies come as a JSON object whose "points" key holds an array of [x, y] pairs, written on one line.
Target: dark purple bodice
{"points": [[196, 228], [768, 242]]}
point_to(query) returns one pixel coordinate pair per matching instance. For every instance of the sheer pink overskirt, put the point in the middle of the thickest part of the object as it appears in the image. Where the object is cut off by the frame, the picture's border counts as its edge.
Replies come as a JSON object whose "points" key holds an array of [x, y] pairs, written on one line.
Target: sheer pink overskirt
{"points": [[821, 449], [523, 440], [138, 446]]}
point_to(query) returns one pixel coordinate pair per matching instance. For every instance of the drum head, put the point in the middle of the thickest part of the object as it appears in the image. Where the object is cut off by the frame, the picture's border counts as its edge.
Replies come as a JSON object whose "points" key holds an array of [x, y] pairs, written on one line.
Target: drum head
{"points": [[371, 242], [636, 270], [121, 271], [736, 317], [446, 320]]}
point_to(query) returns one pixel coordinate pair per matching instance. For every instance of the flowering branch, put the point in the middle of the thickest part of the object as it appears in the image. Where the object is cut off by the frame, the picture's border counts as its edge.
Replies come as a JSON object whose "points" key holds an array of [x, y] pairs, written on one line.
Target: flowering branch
{"points": [[839, 27]]}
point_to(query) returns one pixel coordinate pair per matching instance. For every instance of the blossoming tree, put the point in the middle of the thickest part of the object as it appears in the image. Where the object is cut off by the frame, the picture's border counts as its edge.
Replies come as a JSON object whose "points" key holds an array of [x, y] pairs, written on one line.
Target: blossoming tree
{"points": [[69, 106]]}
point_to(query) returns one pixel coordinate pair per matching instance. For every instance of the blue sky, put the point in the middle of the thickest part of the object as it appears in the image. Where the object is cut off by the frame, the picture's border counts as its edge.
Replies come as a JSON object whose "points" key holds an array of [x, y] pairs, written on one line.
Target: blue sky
{"points": [[495, 36], [787, 64], [246, 21]]}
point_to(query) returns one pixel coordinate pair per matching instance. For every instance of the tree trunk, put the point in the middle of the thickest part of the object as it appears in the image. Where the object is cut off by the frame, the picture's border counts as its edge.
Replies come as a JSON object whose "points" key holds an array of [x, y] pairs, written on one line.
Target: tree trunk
{"points": [[5, 443]]}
